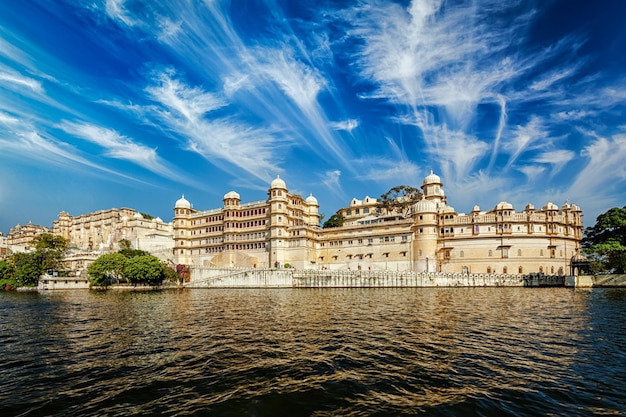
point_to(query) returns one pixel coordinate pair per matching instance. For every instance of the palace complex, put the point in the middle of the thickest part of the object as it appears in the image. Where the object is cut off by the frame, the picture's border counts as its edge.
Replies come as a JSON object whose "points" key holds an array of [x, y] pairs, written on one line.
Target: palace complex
{"points": [[283, 231], [92, 234]]}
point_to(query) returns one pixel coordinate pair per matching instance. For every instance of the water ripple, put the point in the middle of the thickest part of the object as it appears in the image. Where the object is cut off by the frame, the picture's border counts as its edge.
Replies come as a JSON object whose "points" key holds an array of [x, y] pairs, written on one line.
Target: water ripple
{"points": [[322, 352]]}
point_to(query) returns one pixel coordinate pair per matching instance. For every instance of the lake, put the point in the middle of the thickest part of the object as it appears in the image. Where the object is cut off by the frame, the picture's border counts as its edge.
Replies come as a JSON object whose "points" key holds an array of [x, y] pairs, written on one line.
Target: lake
{"points": [[314, 352]]}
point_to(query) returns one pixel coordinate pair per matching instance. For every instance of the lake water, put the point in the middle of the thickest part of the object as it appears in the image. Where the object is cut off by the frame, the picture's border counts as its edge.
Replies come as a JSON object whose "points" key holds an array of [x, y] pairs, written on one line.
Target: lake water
{"points": [[314, 352]]}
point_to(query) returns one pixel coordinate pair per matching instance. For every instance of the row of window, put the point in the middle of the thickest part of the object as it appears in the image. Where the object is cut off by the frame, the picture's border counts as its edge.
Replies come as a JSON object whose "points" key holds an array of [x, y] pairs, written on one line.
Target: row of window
{"points": [[520, 270], [246, 213], [362, 256], [370, 240]]}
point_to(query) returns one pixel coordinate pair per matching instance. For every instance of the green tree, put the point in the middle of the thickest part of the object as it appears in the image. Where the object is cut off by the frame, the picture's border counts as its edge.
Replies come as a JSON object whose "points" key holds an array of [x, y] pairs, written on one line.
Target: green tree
{"points": [[106, 267], [336, 220], [49, 251], [133, 253], [399, 199], [28, 268], [605, 242], [125, 244], [7, 275], [144, 270]]}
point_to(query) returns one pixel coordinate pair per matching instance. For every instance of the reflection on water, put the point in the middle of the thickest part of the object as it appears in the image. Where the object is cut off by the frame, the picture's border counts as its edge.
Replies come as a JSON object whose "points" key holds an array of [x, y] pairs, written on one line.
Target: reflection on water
{"points": [[340, 352]]}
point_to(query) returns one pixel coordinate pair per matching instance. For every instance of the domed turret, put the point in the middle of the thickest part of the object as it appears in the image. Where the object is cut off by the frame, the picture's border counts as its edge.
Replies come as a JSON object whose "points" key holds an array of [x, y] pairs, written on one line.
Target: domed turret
{"points": [[432, 179], [232, 195], [278, 183], [503, 205], [182, 203], [550, 206], [425, 206], [311, 200]]}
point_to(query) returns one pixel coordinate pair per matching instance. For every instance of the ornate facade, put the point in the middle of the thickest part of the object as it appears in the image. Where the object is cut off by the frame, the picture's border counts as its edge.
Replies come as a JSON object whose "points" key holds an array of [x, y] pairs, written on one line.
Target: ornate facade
{"points": [[103, 230], [22, 236], [431, 237]]}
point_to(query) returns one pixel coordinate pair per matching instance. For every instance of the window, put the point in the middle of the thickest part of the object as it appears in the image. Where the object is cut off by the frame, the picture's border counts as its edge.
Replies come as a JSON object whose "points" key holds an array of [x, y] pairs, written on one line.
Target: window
{"points": [[366, 210], [489, 270], [462, 254], [505, 252], [490, 253], [519, 252], [505, 270], [520, 270]]}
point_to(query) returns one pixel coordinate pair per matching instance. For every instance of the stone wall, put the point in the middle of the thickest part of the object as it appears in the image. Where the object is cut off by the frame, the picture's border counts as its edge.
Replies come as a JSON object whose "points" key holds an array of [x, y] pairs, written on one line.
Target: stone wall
{"points": [[208, 277]]}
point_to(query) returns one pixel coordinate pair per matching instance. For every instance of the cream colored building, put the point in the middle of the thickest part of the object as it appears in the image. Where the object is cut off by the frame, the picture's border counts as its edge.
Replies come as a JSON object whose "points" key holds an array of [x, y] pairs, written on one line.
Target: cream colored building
{"points": [[432, 237], [102, 231], [20, 237]]}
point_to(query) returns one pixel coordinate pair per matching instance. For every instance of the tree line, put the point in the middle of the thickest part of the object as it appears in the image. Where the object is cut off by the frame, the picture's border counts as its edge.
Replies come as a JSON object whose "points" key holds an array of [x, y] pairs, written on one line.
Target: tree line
{"points": [[128, 265]]}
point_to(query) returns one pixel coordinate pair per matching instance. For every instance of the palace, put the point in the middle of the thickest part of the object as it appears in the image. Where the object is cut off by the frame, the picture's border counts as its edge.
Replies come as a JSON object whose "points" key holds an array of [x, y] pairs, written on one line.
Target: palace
{"points": [[431, 236], [99, 232]]}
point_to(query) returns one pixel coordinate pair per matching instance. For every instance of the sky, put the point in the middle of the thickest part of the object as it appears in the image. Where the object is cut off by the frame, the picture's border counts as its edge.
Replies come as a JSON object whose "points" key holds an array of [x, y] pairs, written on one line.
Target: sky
{"points": [[124, 103]]}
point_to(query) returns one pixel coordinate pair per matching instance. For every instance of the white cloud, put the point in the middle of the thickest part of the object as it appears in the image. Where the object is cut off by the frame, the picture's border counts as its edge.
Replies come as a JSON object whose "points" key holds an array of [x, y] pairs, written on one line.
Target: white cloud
{"points": [[556, 158], [17, 81], [525, 137], [48, 151], [348, 125], [118, 146], [183, 109], [116, 11]]}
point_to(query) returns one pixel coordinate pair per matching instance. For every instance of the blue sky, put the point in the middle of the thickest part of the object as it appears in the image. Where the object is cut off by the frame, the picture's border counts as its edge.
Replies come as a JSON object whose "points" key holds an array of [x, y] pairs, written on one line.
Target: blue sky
{"points": [[123, 103]]}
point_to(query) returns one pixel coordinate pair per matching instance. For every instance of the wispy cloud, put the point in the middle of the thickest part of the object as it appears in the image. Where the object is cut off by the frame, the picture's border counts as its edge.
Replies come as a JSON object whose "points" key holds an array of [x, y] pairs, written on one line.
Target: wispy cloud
{"points": [[117, 11], [118, 146], [17, 81], [49, 151], [184, 110], [348, 125]]}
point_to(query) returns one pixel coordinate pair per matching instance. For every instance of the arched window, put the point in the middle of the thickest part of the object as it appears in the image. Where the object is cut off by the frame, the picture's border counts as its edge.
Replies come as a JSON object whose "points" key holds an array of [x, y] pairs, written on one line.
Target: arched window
{"points": [[462, 254], [505, 270], [520, 270], [490, 253], [489, 270], [541, 269], [519, 252], [552, 270]]}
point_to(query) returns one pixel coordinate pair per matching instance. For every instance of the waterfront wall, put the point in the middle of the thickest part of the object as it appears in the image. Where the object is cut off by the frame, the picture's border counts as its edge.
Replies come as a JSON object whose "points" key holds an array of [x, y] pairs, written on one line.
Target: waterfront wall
{"points": [[210, 277], [589, 281]]}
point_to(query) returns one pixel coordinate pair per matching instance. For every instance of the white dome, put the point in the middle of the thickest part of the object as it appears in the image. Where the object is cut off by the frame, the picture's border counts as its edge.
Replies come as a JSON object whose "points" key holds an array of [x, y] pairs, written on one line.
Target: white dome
{"points": [[447, 209], [432, 178], [503, 205], [311, 200], [550, 206], [182, 203], [137, 216], [278, 183], [425, 206], [124, 218], [476, 208], [232, 194], [158, 220], [530, 207]]}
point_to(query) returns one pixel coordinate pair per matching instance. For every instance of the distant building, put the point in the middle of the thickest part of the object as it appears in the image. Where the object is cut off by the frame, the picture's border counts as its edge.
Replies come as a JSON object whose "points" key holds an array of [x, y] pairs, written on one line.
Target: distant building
{"points": [[4, 246], [20, 237], [432, 237], [102, 231]]}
